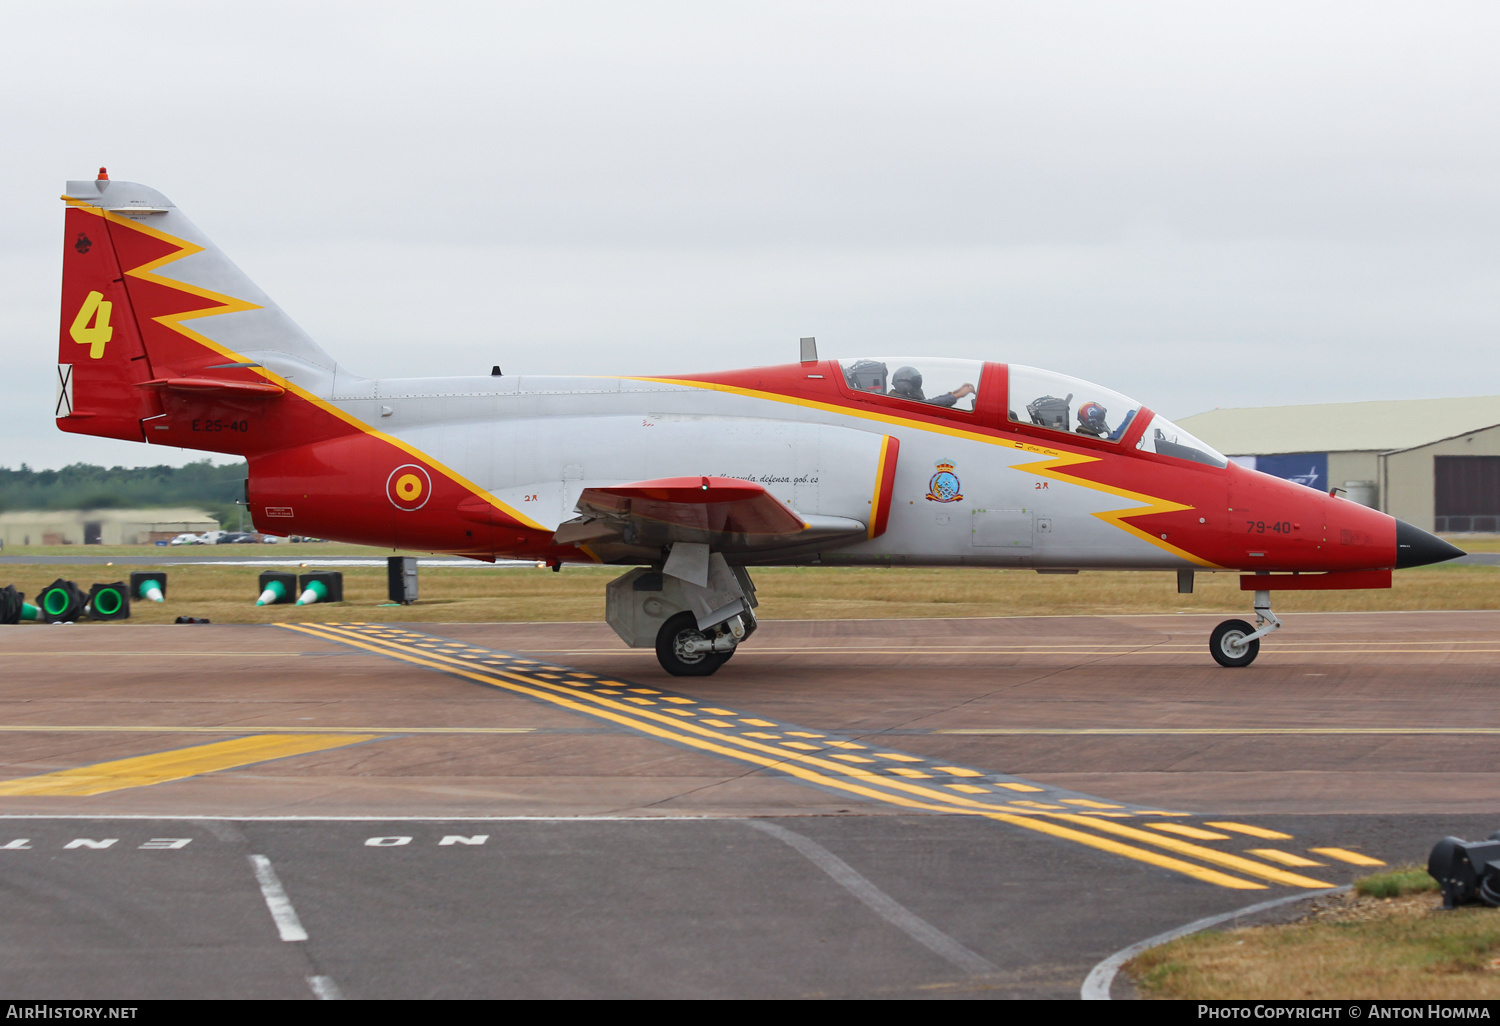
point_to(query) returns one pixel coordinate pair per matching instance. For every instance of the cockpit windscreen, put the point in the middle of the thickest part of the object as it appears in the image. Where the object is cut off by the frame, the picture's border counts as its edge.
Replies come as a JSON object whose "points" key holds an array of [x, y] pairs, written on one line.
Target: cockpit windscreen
{"points": [[1167, 439]]}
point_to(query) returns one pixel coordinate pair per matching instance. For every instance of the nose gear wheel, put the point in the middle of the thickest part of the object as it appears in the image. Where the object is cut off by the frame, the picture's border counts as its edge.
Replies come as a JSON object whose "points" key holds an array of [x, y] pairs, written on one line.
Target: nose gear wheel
{"points": [[1228, 644]]}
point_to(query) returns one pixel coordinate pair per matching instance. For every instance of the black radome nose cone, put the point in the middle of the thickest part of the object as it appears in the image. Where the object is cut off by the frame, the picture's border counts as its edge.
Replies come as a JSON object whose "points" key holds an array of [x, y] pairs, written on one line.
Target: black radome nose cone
{"points": [[1415, 547]]}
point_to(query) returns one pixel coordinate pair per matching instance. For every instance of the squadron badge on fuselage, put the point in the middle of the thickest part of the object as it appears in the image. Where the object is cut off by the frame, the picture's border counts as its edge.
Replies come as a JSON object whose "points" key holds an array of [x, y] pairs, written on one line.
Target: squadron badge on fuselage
{"points": [[944, 486]]}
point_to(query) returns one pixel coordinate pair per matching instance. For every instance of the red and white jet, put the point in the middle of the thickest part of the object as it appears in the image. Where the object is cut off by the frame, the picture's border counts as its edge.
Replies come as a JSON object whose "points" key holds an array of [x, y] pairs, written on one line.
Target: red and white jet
{"points": [[688, 478]]}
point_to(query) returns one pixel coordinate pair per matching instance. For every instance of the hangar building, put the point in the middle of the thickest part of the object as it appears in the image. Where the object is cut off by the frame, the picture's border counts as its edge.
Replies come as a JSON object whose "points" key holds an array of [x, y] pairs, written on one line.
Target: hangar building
{"points": [[1434, 463], [20, 528]]}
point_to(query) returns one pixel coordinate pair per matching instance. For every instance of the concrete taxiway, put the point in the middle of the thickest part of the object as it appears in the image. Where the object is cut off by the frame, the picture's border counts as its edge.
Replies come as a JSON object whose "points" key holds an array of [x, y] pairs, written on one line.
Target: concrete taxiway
{"points": [[917, 807]]}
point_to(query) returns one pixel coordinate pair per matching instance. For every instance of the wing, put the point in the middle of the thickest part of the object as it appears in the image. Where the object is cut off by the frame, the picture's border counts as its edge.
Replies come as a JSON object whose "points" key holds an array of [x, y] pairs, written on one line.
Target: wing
{"points": [[637, 520]]}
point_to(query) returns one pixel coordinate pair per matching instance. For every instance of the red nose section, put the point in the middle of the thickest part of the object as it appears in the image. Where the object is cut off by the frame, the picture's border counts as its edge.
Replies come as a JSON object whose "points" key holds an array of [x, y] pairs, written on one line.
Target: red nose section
{"points": [[1280, 525]]}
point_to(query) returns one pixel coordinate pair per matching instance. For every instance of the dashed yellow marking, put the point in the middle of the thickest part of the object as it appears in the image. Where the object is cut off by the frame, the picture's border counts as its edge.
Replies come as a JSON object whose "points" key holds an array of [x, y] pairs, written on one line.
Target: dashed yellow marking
{"points": [[910, 772], [1253, 831], [1019, 787], [1210, 855], [719, 712], [846, 744], [1190, 831], [762, 735], [853, 758], [1090, 804], [1035, 805], [640, 701], [758, 723], [161, 767], [720, 724], [644, 691], [803, 745], [1286, 858], [968, 789], [1354, 858], [957, 771], [606, 691], [898, 757], [803, 733], [675, 700], [812, 769]]}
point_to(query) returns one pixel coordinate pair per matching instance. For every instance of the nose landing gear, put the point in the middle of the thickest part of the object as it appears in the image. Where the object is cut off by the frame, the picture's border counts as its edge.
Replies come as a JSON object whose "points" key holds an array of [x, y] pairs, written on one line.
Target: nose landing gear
{"points": [[1235, 642]]}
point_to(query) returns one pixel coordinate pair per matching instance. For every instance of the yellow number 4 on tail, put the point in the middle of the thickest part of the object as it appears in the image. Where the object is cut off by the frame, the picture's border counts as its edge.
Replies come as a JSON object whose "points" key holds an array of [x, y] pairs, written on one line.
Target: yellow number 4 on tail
{"points": [[96, 309]]}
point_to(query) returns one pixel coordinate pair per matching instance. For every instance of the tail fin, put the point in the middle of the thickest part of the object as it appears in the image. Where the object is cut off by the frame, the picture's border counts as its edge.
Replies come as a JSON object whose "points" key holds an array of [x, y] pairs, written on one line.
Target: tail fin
{"points": [[149, 304]]}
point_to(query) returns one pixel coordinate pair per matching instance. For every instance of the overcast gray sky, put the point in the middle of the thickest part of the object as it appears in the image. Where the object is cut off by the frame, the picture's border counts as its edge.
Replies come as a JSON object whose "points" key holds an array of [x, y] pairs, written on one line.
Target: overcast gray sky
{"points": [[1198, 204]]}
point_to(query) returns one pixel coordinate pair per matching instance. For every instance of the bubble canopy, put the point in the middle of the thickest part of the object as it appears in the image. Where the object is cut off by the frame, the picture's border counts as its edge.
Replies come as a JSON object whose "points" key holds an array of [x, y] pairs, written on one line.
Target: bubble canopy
{"points": [[1063, 403], [952, 384]]}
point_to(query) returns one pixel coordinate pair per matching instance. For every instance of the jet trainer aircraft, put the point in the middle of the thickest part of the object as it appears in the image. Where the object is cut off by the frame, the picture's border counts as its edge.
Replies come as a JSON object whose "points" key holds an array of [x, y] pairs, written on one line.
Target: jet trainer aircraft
{"points": [[688, 479]]}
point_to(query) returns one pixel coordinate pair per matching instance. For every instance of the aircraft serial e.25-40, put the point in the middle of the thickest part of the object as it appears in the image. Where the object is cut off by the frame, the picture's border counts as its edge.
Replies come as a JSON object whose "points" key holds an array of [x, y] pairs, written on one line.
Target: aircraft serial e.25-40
{"points": [[688, 479]]}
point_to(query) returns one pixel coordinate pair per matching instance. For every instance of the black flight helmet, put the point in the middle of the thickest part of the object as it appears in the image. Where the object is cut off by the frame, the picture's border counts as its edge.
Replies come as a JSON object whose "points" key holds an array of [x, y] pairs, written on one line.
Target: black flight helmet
{"points": [[907, 383]]}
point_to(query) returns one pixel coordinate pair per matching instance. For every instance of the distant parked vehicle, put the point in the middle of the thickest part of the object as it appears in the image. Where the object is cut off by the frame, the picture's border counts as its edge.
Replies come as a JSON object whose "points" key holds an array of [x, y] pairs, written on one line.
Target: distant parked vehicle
{"points": [[188, 539], [235, 538]]}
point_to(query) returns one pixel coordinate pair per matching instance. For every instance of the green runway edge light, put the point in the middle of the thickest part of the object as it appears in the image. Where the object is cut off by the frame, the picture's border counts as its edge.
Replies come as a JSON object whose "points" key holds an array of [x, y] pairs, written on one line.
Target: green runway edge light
{"points": [[276, 587], [320, 586], [13, 606], [60, 602], [316, 591], [109, 602]]}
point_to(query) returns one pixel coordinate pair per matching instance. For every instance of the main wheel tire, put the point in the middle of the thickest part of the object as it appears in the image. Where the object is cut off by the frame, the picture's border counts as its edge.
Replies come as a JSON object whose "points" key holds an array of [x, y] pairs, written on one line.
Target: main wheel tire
{"points": [[1228, 644], [669, 640]]}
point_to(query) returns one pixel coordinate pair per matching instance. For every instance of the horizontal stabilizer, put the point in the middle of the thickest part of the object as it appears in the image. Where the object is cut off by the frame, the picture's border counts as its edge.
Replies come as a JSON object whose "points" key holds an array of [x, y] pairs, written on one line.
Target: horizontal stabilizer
{"points": [[220, 385]]}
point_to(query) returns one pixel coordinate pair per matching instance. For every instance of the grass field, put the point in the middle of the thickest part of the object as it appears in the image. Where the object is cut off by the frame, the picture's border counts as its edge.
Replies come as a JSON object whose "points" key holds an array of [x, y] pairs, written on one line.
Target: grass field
{"points": [[1360, 946], [484, 593]]}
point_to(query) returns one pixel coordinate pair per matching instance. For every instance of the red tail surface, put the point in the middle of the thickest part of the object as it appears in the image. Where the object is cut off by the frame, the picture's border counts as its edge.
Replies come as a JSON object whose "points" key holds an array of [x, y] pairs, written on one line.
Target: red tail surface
{"points": [[101, 362], [162, 339]]}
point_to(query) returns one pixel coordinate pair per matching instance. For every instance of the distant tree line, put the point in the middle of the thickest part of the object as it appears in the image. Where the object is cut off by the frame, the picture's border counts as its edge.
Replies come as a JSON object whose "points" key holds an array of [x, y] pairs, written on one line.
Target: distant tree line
{"points": [[199, 485]]}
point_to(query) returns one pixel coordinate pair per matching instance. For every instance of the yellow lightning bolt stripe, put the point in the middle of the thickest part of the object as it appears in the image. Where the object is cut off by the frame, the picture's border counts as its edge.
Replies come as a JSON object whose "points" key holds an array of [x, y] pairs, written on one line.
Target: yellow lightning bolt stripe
{"points": [[228, 304], [885, 455], [1052, 468], [1046, 468]]}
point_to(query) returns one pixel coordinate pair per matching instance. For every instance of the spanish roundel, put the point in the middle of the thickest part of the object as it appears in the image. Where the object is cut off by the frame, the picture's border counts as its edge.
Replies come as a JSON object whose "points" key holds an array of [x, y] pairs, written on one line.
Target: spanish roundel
{"points": [[408, 487]]}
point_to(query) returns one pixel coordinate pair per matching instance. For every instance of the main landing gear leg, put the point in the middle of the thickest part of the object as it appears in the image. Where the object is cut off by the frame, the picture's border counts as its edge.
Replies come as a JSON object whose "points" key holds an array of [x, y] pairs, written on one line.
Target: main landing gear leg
{"points": [[1235, 642]]}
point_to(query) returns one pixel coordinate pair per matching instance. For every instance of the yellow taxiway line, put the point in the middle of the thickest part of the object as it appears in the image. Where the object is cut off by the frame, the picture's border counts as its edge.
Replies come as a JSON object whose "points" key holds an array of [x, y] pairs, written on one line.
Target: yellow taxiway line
{"points": [[307, 729], [158, 768], [718, 735]]}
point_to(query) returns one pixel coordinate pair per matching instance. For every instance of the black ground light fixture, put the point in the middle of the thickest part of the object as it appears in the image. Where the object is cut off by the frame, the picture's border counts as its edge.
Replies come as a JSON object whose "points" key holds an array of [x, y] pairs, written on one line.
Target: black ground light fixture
{"points": [[320, 586], [1467, 871], [277, 587], [109, 602], [13, 606], [148, 584], [60, 602]]}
